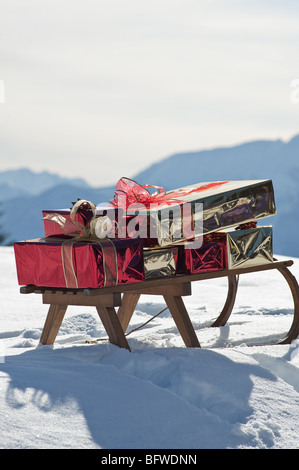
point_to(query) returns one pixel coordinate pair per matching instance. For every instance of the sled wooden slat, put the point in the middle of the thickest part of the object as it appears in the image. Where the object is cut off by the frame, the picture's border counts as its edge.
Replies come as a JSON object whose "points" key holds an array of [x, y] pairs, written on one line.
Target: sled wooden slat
{"points": [[189, 278], [172, 290], [108, 300]]}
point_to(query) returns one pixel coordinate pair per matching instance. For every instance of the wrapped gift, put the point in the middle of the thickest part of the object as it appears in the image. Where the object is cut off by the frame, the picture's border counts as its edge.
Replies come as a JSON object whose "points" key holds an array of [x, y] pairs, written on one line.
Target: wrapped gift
{"points": [[160, 263], [249, 247], [165, 218], [211, 256], [233, 249], [73, 263], [75, 221]]}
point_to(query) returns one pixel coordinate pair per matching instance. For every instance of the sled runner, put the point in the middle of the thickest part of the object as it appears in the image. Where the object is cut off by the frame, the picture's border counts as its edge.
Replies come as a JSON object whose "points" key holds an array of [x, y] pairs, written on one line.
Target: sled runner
{"points": [[173, 289]]}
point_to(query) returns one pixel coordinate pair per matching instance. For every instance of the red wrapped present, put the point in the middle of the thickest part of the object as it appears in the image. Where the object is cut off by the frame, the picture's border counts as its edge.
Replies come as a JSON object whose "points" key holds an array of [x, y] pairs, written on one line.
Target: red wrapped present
{"points": [[78, 219], [73, 263], [164, 218], [211, 256]]}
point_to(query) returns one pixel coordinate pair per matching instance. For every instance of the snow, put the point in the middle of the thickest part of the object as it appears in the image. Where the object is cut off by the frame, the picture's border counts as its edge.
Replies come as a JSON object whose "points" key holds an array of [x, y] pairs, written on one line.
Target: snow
{"points": [[161, 395]]}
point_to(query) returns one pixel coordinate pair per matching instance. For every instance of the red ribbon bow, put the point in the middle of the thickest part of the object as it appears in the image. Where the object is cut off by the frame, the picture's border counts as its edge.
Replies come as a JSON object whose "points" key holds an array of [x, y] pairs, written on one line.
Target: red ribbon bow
{"points": [[128, 192]]}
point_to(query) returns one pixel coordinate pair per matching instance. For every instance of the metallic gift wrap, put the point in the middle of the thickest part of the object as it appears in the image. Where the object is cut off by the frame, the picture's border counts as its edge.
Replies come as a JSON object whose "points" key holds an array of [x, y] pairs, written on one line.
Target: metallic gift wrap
{"points": [[160, 263], [212, 207], [224, 206], [228, 250], [58, 222], [247, 248], [67, 262], [211, 256]]}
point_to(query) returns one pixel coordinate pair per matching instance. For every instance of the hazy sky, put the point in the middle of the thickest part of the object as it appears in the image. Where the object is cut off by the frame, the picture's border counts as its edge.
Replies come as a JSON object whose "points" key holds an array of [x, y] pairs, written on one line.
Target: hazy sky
{"points": [[103, 88]]}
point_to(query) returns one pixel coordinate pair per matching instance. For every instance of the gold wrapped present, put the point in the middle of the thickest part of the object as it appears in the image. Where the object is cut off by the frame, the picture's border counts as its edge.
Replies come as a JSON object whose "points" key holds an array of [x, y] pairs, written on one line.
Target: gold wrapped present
{"points": [[160, 263], [251, 247]]}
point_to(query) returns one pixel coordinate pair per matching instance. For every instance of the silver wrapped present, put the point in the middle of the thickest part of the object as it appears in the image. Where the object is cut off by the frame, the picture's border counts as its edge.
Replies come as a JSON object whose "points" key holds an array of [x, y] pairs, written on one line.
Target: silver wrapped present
{"points": [[251, 247], [189, 212], [160, 263]]}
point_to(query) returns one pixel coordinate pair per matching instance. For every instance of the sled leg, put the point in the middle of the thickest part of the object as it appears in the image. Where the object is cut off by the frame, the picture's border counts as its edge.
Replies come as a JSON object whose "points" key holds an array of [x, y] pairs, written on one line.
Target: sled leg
{"points": [[180, 315], [230, 301], [126, 310], [52, 323], [292, 282], [112, 326]]}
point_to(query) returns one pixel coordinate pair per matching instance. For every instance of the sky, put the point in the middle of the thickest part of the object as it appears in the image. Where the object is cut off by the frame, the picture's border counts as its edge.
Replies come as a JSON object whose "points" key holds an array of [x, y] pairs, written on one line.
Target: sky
{"points": [[101, 89]]}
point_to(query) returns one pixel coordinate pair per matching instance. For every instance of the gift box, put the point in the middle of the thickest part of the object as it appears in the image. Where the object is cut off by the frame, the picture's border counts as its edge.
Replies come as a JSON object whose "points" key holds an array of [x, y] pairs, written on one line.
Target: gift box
{"points": [[240, 248], [251, 247], [211, 256], [160, 263], [58, 222], [75, 221], [72, 263], [165, 218]]}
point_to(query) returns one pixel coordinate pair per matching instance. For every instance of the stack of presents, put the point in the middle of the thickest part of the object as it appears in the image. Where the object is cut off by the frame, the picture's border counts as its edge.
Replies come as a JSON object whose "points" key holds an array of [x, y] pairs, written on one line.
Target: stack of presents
{"points": [[146, 232]]}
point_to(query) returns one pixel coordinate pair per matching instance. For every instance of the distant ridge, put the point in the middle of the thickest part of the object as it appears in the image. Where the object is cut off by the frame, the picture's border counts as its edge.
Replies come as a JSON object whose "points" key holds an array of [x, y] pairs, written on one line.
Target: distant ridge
{"points": [[22, 216], [252, 160], [25, 181]]}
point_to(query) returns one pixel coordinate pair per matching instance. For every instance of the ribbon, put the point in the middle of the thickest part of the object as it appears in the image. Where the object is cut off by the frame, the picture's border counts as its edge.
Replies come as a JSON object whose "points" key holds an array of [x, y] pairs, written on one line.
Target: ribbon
{"points": [[214, 237], [109, 260], [99, 225], [84, 229], [128, 191], [247, 226]]}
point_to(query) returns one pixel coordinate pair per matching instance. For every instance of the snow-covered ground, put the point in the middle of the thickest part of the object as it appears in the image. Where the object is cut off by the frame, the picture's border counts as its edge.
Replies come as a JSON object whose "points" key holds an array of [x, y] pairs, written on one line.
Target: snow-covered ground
{"points": [[161, 395]]}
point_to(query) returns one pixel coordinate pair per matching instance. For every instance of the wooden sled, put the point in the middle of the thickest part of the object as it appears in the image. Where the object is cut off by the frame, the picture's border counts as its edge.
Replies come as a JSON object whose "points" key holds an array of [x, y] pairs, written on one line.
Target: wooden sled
{"points": [[126, 297]]}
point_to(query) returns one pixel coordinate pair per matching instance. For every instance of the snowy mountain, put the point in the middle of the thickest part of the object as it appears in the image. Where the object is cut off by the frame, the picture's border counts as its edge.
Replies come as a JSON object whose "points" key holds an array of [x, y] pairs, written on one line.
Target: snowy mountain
{"points": [[23, 181], [276, 160], [253, 160]]}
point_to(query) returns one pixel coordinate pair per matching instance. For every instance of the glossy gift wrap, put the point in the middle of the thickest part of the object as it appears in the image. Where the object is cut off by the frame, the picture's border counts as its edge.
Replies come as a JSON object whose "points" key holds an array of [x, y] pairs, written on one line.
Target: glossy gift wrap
{"points": [[72, 263]]}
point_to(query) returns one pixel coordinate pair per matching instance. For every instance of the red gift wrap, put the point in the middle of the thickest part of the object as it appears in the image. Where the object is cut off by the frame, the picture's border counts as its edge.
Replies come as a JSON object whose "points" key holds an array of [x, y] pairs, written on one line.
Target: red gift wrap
{"points": [[58, 222], [211, 256], [72, 263], [75, 221]]}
